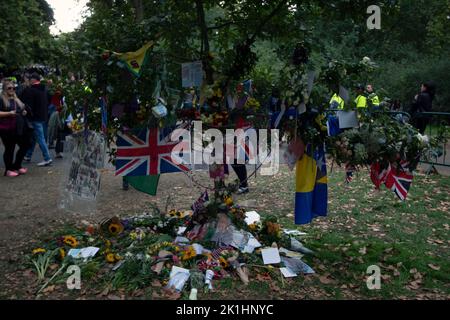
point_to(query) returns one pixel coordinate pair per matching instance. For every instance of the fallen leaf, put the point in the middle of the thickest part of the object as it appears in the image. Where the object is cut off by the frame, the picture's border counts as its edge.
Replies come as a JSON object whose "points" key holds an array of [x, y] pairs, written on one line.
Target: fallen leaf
{"points": [[172, 294], [156, 283], [104, 292], [325, 280], [49, 289], [53, 266], [263, 277], [432, 266]]}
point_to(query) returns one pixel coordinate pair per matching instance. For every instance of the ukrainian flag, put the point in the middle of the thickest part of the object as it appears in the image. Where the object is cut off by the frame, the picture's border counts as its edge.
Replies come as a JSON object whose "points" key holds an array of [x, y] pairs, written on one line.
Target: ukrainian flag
{"points": [[311, 199]]}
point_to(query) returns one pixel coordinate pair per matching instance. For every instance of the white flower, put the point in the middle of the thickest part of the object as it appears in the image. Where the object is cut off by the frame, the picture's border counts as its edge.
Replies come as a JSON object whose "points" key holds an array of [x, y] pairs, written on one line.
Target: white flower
{"points": [[424, 139]]}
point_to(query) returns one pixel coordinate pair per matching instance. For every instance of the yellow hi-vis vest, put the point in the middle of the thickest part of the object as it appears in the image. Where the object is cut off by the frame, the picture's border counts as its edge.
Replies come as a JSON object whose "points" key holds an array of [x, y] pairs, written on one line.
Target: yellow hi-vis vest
{"points": [[337, 102], [361, 101], [374, 99]]}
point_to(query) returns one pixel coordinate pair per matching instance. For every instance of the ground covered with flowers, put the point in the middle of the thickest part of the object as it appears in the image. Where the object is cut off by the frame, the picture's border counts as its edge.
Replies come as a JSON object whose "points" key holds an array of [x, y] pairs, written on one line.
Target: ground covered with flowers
{"points": [[408, 240]]}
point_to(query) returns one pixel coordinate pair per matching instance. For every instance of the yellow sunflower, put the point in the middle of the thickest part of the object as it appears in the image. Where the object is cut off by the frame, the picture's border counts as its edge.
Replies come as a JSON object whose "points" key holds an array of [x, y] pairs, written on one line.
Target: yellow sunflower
{"points": [[223, 262], [228, 201], [111, 258], [172, 213], [188, 254], [115, 228], [39, 250], [70, 241]]}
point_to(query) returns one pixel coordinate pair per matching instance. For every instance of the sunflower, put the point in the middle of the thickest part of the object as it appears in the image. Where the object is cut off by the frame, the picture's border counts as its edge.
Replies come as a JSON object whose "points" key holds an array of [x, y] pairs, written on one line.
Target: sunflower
{"points": [[188, 253], [111, 258], [172, 213], [39, 250], [223, 262], [115, 229], [228, 201], [70, 241]]}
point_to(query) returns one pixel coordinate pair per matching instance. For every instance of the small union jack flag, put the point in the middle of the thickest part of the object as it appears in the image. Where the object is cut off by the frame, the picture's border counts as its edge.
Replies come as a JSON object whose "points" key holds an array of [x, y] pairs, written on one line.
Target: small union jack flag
{"points": [[399, 180], [200, 203], [149, 152], [349, 169]]}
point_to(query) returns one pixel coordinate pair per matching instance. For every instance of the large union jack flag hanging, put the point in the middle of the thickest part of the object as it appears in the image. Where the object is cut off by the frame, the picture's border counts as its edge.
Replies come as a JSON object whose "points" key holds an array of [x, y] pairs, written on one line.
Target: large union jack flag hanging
{"points": [[148, 152]]}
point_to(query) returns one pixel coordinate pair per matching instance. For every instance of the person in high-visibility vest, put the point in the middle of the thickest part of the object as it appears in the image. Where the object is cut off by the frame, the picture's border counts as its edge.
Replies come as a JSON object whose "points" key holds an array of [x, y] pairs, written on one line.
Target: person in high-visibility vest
{"points": [[372, 96], [337, 102], [361, 99]]}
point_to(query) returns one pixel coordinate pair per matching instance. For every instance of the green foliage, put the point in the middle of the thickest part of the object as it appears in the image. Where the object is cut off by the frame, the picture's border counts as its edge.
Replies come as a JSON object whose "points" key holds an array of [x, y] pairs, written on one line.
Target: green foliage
{"points": [[404, 83], [25, 33]]}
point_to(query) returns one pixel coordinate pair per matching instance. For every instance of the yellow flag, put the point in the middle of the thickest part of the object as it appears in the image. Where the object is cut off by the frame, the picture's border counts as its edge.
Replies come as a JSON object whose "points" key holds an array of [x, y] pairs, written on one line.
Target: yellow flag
{"points": [[135, 60]]}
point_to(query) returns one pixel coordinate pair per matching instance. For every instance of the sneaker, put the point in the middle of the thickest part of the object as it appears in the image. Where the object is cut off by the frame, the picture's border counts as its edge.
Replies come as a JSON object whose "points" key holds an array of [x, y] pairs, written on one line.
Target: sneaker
{"points": [[59, 156], [242, 190], [27, 159], [23, 171], [45, 163], [10, 173]]}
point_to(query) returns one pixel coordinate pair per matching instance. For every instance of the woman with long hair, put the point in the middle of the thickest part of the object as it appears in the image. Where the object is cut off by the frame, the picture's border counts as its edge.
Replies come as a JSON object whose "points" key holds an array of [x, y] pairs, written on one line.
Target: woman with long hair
{"points": [[423, 102], [13, 130]]}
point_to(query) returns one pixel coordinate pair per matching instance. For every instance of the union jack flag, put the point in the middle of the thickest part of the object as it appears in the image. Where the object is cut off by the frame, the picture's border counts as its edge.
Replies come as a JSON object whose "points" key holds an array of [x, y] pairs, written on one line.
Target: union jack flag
{"points": [[149, 152], [399, 180], [200, 203]]}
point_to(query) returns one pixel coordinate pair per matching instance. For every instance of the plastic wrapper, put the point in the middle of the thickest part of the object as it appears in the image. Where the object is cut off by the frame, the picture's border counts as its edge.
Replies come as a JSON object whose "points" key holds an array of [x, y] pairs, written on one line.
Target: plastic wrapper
{"points": [[209, 275], [178, 281]]}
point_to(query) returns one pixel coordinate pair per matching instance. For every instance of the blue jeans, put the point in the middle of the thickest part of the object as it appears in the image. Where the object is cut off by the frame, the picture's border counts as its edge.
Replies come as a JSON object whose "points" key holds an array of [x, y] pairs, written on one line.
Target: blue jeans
{"points": [[39, 137]]}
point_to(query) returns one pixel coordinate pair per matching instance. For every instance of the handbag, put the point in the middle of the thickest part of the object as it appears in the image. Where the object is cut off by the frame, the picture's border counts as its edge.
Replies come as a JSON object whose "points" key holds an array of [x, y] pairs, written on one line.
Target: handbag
{"points": [[8, 124]]}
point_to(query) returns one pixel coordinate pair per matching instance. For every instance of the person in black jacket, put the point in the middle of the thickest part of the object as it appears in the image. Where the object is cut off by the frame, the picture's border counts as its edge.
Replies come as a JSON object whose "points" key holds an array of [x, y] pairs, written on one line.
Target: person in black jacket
{"points": [[35, 97], [423, 102]]}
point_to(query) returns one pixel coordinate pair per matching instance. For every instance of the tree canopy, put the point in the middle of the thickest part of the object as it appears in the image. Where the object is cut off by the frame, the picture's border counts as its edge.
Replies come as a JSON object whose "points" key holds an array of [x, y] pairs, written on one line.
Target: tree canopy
{"points": [[25, 32], [242, 38]]}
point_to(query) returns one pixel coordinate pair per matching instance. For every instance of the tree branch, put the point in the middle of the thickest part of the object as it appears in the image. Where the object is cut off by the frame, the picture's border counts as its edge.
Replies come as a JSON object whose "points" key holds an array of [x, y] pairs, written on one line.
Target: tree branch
{"points": [[269, 17], [205, 41]]}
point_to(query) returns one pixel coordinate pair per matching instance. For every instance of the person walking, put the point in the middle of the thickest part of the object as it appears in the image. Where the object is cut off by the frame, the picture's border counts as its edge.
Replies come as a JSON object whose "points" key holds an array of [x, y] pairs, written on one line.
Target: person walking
{"points": [[35, 97], [14, 130]]}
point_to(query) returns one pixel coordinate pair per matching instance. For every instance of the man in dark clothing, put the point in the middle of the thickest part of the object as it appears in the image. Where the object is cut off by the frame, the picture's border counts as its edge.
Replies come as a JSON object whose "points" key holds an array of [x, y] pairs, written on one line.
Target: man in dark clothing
{"points": [[423, 103], [35, 97]]}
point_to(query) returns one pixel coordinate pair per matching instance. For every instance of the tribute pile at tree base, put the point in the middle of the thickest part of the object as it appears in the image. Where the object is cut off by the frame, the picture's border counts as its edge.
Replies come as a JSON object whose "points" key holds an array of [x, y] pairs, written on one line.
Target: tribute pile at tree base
{"points": [[179, 250]]}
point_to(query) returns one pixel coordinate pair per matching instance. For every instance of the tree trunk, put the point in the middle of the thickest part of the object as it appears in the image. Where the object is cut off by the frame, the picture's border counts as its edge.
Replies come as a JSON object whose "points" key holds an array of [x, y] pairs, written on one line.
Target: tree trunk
{"points": [[139, 8], [205, 42]]}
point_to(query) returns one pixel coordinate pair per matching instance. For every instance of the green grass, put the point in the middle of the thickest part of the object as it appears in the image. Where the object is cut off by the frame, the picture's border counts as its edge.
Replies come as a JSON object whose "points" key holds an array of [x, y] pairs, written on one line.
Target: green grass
{"points": [[367, 228]]}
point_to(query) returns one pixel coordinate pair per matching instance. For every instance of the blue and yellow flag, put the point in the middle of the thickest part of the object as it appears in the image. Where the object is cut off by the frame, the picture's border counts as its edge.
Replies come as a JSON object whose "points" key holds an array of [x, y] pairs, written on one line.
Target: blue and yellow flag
{"points": [[311, 198], [135, 60]]}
